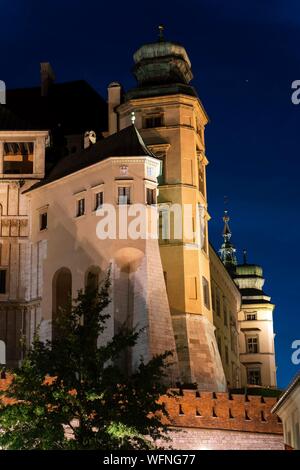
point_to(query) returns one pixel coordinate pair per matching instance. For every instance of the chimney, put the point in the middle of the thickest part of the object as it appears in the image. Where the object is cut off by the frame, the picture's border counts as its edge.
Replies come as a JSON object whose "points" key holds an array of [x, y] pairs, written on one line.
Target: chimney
{"points": [[47, 78], [114, 99]]}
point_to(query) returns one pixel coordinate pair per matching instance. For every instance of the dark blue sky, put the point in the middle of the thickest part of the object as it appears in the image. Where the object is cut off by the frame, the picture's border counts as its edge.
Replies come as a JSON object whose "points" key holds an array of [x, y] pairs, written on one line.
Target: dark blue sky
{"points": [[245, 55]]}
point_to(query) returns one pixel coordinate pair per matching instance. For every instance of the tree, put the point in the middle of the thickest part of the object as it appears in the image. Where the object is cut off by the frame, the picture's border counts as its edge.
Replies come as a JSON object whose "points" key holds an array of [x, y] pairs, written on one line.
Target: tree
{"points": [[72, 384]]}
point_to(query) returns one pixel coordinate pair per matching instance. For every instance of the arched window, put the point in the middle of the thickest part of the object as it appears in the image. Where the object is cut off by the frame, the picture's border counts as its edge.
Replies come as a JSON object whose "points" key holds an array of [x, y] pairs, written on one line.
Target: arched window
{"points": [[61, 294], [92, 278]]}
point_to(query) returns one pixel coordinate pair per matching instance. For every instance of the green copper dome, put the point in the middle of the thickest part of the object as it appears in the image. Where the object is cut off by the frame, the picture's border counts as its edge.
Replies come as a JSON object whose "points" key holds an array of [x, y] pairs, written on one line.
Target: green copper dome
{"points": [[162, 62]]}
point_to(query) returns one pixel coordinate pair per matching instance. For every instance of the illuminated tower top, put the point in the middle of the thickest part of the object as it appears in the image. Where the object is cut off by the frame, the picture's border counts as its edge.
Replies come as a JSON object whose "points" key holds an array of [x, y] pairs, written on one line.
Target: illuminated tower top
{"points": [[227, 251]]}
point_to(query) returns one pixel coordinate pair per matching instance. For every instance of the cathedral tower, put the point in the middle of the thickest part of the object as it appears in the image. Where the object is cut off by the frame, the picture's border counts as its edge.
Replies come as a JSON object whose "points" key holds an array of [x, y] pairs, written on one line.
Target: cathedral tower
{"points": [[255, 318], [172, 120]]}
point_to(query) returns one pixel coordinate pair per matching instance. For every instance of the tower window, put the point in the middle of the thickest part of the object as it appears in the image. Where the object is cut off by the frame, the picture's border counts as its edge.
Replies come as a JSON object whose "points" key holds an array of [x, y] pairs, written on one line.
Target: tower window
{"points": [[2, 281], [98, 200], [252, 344], [80, 207], [43, 221], [205, 286], [123, 195], [254, 376], [251, 316], [151, 196], [153, 121]]}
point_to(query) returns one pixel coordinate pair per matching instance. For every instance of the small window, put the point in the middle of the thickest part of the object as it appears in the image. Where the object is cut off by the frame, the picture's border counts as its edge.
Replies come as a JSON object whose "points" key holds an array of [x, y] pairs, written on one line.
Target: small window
{"points": [[80, 207], [205, 292], [151, 196], [43, 221], [251, 316], [226, 355], [252, 344], [254, 376], [98, 200], [218, 304], [123, 195], [153, 121], [225, 311], [2, 281]]}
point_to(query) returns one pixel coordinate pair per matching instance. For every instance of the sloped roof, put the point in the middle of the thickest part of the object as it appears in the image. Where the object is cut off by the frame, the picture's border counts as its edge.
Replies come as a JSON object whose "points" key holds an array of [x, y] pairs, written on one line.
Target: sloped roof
{"points": [[74, 106], [125, 143]]}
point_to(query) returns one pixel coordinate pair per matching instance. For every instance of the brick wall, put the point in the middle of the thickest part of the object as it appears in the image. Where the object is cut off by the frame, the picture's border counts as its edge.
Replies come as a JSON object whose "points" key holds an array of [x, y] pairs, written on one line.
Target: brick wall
{"points": [[209, 410], [216, 421], [218, 439]]}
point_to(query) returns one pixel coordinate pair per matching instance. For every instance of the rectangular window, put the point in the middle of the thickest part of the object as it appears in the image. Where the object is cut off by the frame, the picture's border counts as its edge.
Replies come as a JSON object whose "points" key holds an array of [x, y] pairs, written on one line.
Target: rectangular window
{"points": [[151, 196], [251, 316], [218, 304], [252, 344], [254, 376], [18, 157], [225, 312], [153, 121], [43, 221], [80, 207], [98, 200], [123, 195], [2, 281], [205, 292], [226, 355]]}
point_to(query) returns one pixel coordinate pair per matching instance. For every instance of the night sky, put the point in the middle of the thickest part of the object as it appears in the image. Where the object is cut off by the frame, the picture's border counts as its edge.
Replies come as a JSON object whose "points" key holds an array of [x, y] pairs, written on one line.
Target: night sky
{"points": [[245, 55]]}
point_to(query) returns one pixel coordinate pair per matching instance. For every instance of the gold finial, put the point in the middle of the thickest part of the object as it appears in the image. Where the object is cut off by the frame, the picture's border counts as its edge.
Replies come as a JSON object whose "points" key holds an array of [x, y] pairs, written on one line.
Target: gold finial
{"points": [[161, 29]]}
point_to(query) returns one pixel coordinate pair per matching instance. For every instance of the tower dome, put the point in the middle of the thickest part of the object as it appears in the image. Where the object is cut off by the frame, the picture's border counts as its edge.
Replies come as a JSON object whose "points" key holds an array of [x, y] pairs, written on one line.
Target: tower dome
{"points": [[162, 62]]}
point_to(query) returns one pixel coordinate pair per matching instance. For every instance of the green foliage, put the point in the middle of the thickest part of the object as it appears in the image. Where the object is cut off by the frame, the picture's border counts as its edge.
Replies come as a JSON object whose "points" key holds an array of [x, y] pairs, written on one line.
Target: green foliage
{"points": [[71, 383]]}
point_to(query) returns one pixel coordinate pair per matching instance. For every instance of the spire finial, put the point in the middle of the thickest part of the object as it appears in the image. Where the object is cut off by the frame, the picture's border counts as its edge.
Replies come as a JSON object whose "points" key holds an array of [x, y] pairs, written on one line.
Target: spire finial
{"points": [[161, 29], [133, 118], [227, 251], [245, 255]]}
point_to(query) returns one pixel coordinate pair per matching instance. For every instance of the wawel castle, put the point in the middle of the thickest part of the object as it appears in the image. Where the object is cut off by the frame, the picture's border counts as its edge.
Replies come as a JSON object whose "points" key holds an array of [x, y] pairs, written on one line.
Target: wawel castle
{"points": [[64, 153]]}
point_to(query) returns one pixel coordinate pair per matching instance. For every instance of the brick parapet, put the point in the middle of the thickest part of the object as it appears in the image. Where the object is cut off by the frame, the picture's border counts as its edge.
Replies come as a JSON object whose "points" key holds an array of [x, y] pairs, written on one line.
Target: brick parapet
{"points": [[209, 410]]}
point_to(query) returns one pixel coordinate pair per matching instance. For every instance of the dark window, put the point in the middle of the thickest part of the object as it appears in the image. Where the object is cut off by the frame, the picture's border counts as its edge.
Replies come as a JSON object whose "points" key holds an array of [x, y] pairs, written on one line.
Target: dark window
{"points": [[251, 316], [218, 304], [254, 376], [18, 157], [151, 196], [153, 121], [124, 195], [205, 292], [226, 355], [80, 207], [225, 315], [252, 344], [2, 281], [98, 200], [43, 221]]}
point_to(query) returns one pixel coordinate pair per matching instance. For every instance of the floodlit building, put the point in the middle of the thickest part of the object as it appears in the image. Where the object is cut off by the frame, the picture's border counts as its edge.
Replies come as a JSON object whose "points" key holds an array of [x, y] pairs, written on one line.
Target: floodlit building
{"points": [[146, 149]]}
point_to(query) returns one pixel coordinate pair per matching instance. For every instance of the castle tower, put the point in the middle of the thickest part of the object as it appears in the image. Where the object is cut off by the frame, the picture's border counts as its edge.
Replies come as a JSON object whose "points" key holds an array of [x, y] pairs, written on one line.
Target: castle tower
{"points": [[171, 120], [256, 339], [255, 318]]}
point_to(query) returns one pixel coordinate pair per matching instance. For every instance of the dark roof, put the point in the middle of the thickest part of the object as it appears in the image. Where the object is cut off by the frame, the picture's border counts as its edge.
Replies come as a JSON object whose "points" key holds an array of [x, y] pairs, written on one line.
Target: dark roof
{"points": [[75, 106], [11, 122], [125, 143], [249, 291]]}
